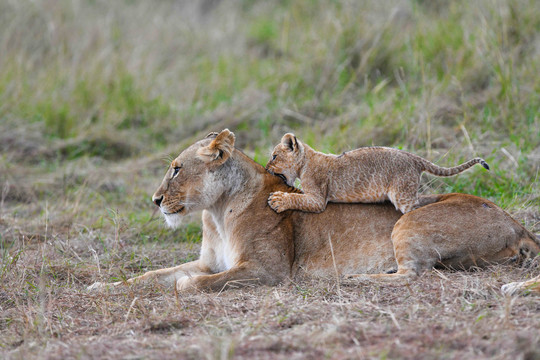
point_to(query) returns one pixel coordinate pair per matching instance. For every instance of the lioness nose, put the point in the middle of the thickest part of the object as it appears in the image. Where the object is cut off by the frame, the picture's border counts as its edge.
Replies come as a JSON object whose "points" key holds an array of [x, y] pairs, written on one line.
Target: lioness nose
{"points": [[157, 200]]}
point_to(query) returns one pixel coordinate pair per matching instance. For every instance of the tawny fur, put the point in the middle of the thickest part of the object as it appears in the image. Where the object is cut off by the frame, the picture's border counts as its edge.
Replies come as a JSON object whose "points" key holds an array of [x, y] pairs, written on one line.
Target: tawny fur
{"points": [[367, 175], [245, 242], [526, 287]]}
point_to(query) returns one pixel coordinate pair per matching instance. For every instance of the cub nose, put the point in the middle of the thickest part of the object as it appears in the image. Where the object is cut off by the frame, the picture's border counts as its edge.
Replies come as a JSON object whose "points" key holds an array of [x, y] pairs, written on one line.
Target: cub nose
{"points": [[157, 200]]}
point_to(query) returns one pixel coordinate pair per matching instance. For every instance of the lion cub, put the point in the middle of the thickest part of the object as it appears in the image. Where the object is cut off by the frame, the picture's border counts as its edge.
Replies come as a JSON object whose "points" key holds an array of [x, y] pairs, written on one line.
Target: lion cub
{"points": [[368, 174]]}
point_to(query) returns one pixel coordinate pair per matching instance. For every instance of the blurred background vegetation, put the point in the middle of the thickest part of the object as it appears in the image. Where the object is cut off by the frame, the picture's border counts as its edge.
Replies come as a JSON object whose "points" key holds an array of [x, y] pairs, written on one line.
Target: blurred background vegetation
{"points": [[96, 95]]}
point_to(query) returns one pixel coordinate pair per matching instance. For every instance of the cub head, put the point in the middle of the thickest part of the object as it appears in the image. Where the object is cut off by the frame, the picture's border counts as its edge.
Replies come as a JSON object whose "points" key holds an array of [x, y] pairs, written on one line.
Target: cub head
{"points": [[287, 160], [190, 183]]}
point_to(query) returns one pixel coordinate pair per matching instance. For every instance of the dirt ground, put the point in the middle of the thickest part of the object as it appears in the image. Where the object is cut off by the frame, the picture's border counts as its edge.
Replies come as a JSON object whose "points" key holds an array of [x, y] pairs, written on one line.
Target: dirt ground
{"points": [[444, 314]]}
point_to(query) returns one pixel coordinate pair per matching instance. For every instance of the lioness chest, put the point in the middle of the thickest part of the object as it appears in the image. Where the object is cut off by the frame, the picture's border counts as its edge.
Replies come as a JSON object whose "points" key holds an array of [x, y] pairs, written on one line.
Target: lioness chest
{"points": [[225, 254]]}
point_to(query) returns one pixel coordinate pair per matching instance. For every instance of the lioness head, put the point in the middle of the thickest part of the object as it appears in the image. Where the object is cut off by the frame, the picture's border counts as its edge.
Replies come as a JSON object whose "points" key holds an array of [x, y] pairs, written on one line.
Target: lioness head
{"points": [[287, 159], [191, 182]]}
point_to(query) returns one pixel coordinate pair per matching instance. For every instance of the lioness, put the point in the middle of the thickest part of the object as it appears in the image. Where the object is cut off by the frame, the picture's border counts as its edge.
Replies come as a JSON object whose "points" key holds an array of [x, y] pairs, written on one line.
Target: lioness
{"points": [[369, 175], [245, 241]]}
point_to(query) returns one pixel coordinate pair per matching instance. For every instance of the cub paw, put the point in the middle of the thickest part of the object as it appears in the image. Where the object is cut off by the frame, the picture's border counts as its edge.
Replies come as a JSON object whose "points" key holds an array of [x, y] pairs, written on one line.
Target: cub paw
{"points": [[276, 201]]}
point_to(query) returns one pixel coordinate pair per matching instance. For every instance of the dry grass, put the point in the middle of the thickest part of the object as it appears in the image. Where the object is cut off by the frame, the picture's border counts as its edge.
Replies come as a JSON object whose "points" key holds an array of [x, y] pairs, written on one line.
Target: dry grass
{"points": [[47, 313], [51, 250], [96, 96]]}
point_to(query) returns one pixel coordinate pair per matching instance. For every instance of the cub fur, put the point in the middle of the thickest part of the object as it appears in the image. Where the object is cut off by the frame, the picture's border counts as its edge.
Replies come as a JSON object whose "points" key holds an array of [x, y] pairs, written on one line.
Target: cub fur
{"points": [[367, 175]]}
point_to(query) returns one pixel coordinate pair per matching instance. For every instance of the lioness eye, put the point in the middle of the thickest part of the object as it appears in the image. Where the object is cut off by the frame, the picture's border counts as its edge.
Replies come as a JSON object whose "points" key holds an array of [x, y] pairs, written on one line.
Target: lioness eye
{"points": [[176, 170], [274, 157]]}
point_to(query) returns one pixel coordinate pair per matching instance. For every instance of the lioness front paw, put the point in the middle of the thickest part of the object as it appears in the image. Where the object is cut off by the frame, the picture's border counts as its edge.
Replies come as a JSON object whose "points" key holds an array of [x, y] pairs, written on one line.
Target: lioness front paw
{"points": [[511, 289], [185, 284], [102, 285], [276, 200], [96, 286]]}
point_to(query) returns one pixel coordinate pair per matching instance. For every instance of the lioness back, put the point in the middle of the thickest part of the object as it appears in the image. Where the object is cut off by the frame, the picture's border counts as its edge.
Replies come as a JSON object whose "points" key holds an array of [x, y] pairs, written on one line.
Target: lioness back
{"points": [[368, 175]]}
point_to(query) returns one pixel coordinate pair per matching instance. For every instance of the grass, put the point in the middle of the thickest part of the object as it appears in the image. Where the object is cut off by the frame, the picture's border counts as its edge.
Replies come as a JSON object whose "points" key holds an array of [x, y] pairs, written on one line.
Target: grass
{"points": [[95, 97]]}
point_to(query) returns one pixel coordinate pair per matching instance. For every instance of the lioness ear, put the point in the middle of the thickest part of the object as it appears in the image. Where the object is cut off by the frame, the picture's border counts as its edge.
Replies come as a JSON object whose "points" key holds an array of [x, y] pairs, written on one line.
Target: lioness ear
{"points": [[219, 149], [289, 140], [212, 134]]}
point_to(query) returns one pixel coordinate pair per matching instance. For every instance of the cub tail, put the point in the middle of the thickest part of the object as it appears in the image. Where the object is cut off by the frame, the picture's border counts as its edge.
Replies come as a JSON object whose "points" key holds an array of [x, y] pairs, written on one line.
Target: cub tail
{"points": [[442, 171]]}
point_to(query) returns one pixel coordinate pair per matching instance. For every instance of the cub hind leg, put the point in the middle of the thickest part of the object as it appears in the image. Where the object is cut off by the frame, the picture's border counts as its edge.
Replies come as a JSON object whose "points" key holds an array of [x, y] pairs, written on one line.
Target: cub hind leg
{"points": [[404, 195]]}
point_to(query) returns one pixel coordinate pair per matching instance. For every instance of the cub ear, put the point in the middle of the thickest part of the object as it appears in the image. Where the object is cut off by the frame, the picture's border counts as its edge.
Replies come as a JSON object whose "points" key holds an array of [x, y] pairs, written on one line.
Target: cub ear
{"points": [[219, 150], [289, 141]]}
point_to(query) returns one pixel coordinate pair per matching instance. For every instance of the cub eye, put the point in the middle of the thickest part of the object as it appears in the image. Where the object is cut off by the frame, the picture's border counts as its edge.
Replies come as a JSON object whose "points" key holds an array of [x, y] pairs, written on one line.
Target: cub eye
{"points": [[176, 170], [274, 157]]}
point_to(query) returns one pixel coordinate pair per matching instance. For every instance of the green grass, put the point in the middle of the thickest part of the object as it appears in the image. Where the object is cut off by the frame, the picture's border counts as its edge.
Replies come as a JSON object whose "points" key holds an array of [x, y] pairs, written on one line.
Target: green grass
{"points": [[451, 80]]}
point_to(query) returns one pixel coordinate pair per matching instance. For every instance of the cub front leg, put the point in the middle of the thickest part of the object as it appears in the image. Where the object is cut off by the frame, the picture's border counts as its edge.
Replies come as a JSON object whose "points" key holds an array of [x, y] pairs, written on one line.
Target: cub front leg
{"points": [[280, 201]]}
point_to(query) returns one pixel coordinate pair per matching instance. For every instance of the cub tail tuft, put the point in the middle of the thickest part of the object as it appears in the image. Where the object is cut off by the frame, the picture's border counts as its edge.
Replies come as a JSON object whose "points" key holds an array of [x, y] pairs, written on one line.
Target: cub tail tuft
{"points": [[442, 171], [484, 164]]}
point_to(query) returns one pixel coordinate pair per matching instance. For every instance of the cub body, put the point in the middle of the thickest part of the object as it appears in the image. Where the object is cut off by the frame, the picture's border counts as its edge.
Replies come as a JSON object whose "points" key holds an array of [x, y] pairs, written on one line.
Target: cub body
{"points": [[367, 175]]}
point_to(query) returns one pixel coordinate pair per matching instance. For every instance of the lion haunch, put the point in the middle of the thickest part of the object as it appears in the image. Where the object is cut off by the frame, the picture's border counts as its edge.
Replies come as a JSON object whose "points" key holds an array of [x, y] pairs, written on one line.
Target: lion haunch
{"points": [[367, 175]]}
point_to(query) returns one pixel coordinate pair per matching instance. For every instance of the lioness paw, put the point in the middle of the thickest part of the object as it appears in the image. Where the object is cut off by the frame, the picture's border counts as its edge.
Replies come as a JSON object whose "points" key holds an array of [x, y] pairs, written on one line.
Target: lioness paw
{"points": [[511, 289], [96, 286], [102, 285], [276, 200], [185, 284]]}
